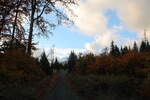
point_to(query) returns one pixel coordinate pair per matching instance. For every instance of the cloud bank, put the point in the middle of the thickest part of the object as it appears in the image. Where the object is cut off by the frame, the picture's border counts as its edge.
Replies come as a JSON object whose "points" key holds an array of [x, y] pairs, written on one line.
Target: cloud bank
{"points": [[92, 20], [59, 53]]}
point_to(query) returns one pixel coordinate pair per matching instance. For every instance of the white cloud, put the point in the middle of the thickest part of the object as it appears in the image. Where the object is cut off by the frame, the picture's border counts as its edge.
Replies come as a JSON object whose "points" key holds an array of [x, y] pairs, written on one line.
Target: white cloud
{"points": [[60, 53], [102, 41], [92, 21], [135, 14]]}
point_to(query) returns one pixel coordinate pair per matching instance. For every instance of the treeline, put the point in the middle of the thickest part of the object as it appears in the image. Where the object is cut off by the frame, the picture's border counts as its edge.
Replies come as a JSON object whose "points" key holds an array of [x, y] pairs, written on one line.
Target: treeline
{"points": [[143, 47], [49, 67], [108, 57], [118, 73]]}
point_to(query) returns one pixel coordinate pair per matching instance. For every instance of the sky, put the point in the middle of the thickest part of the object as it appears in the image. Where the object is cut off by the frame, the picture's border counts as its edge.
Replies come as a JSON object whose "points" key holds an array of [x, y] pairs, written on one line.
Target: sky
{"points": [[97, 23]]}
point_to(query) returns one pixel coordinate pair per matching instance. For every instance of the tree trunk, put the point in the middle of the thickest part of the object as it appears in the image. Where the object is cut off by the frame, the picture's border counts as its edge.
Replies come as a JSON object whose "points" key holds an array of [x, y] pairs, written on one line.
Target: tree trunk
{"points": [[1, 28], [33, 7], [15, 21]]}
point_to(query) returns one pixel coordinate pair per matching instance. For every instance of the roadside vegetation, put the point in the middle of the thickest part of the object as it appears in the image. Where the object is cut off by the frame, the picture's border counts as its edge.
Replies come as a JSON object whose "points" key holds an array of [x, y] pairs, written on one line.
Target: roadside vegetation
{"points": [[20, 22], [118, 74], [23, 77]]}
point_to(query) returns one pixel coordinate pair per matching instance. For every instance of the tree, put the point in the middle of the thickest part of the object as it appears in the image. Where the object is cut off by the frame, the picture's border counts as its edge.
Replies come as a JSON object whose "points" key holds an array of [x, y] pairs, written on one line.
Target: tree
{"points": [[45, 64], [114, 51], [147, 46], [43, 7], [124, 50], [5, 9], [135, 47], [117, 51], [72, 61], [112, 48], [143, 46], [12, 30], [56, 65], [12, 45], [12, 14], [84, 62]]}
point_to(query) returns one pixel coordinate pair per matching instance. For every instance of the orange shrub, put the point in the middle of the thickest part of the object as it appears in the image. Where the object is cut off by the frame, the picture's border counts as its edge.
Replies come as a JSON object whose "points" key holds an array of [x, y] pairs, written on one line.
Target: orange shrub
{"points": [[132, 62], [101, 64], [16, 66]]}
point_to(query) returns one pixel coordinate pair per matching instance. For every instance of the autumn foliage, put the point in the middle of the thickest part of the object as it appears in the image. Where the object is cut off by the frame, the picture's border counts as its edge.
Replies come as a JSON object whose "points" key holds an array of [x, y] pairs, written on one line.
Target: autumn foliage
{"points": [[19, 68], [125, 72]]}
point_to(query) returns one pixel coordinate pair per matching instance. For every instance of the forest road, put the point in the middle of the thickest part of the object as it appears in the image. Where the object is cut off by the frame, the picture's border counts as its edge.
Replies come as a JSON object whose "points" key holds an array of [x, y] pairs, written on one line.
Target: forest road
{"points": [[62, 91]]}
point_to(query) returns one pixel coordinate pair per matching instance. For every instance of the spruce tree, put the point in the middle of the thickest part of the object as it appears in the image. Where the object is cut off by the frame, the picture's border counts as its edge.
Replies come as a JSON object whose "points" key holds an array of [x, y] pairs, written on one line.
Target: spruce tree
{"points": [[45, 64], [124, 50], [112, 49], [135, 47], [116, 51], [147, 46], [143, 46], [56, 65], [72, 61]]}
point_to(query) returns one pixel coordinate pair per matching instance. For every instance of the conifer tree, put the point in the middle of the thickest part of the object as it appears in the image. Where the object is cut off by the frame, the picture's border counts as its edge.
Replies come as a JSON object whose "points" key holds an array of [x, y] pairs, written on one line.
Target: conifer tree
{"points": [[147, 46], [45, 64], [112, 48], [135, 47], [56, 65], [117, 51], [72, 61], [124, 50], [143, 46]]}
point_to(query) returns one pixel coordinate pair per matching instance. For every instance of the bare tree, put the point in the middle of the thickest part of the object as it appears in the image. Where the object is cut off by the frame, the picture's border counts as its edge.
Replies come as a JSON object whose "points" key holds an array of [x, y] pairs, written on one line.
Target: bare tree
{"points": [[45, 7], [11, 17], [12, 13]]}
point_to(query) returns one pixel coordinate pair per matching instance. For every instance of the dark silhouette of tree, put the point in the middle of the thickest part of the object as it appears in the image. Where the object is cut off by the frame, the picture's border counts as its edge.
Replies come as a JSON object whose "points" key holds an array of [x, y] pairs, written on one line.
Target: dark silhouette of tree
{"points": [[124, 50], [84, 62], [143, 46], [117, 51], [16, 17], [12, 45], [147, 46], [105, 51], [5, 9], [135, 47], [12, 31], [56, 65], [114, 50], [40, 8], [12, 14], [72, 61], [45, 64]]}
